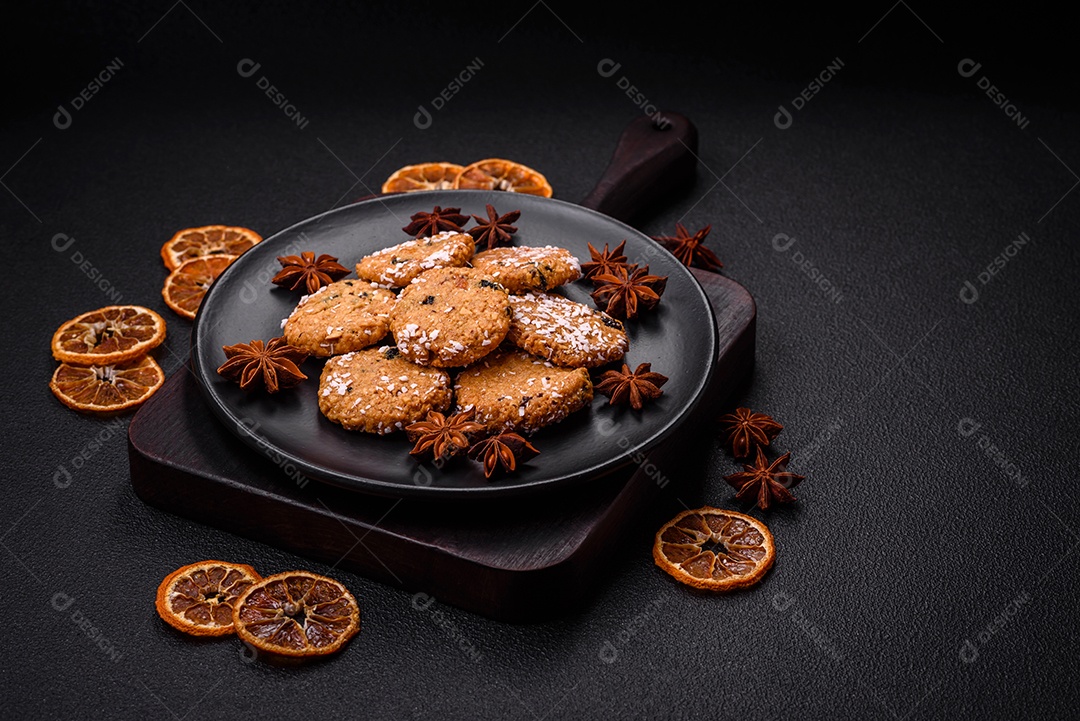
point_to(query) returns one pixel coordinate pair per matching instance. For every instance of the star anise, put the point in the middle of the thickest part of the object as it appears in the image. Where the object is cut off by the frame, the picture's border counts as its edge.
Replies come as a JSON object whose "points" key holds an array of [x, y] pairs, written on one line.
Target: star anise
{"points": [[636, 388], [275, 365], [746, 428], [502, 449], [496, 230], [769, 482], [690, 249], [625, 292], [308, 271], [435, 222], [605, 261], [441, 436]]}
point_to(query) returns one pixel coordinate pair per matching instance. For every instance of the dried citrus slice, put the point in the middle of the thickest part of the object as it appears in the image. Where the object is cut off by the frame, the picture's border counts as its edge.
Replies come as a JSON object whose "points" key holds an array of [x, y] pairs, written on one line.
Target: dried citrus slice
{"points": [[499, 174], [714, 549], [187, 285], [199, 598], [425, 176], [113, 334], [106, 389], [297, 614], [207, 240]]}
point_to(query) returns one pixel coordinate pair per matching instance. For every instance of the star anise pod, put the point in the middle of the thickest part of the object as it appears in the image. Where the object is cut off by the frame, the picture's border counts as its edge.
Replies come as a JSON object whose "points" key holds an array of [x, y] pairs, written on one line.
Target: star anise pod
{"points": [[275, 364], [605, 261], [768, 481], [308, 271], [496, 230], [636, 388], [746, 428], [626, 292], [502, 449], [441, 436], [435, 222], [690, 249]]}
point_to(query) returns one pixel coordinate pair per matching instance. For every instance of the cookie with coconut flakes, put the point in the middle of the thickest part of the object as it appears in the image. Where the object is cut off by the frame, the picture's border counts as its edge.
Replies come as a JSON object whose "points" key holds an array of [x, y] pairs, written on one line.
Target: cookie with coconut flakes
{"points": [[566, 333], [450, 317], [513, 390], [522, 269], [378, 391], [397, 266], [344, 316]]}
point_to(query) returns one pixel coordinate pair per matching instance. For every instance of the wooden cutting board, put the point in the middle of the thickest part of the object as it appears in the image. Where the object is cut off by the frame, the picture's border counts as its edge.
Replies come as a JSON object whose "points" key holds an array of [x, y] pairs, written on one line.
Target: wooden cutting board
{"points": [[518, 559]]}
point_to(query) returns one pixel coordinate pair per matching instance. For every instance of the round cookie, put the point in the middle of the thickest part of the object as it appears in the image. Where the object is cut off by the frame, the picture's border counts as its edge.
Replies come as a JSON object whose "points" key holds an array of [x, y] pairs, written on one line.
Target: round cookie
{"points": [[395, 267], [512, 390], [344, 316], [566, 333], [450, 317], [521, 269], [378, 391]]}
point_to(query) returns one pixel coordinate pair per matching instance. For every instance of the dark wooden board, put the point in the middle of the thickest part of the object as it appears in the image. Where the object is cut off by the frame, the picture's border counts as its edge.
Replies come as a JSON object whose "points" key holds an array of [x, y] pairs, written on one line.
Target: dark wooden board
{"points": [[514, 560]]}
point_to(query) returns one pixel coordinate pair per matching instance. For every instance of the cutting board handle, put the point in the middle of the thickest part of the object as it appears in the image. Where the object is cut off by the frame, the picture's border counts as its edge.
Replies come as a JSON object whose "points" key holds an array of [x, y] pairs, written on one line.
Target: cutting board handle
{"points": [[652, 159]]}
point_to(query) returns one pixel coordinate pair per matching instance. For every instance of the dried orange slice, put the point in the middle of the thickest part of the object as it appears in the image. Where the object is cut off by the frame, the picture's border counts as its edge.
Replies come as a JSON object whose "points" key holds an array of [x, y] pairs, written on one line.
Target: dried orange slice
{"points": [[187, 285], [199, 598], [499, 174], [113, 334], [106, 389], [297, 614], [207, 240], [714, 549], [425, 176]]}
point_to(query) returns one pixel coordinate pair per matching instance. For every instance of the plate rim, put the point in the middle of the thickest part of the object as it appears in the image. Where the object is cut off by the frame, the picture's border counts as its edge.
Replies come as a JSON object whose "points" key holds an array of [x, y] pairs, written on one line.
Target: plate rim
{"points": [[372, 486]]}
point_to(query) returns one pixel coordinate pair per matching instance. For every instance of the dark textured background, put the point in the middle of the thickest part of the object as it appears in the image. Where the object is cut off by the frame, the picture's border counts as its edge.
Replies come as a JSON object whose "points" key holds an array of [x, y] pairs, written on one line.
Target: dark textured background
{"points": [[918, 576]]}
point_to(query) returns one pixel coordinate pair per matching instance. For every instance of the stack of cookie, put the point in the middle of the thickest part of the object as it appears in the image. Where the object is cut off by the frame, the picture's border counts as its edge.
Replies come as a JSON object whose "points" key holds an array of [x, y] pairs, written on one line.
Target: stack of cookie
{"points": [[477, 331]]}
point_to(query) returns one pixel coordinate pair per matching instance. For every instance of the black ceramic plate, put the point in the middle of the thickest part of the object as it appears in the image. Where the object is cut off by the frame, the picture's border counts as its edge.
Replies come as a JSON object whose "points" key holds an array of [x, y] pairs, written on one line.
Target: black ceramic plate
{"points": [[679, 339]]}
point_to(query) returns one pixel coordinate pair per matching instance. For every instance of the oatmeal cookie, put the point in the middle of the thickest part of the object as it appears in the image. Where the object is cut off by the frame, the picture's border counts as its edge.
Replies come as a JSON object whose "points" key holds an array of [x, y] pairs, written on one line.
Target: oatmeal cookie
{"points": [[450, 317], [566, 333], [513, 390], [344, 316], [521, 269], [395, 267], [378, 391]]}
